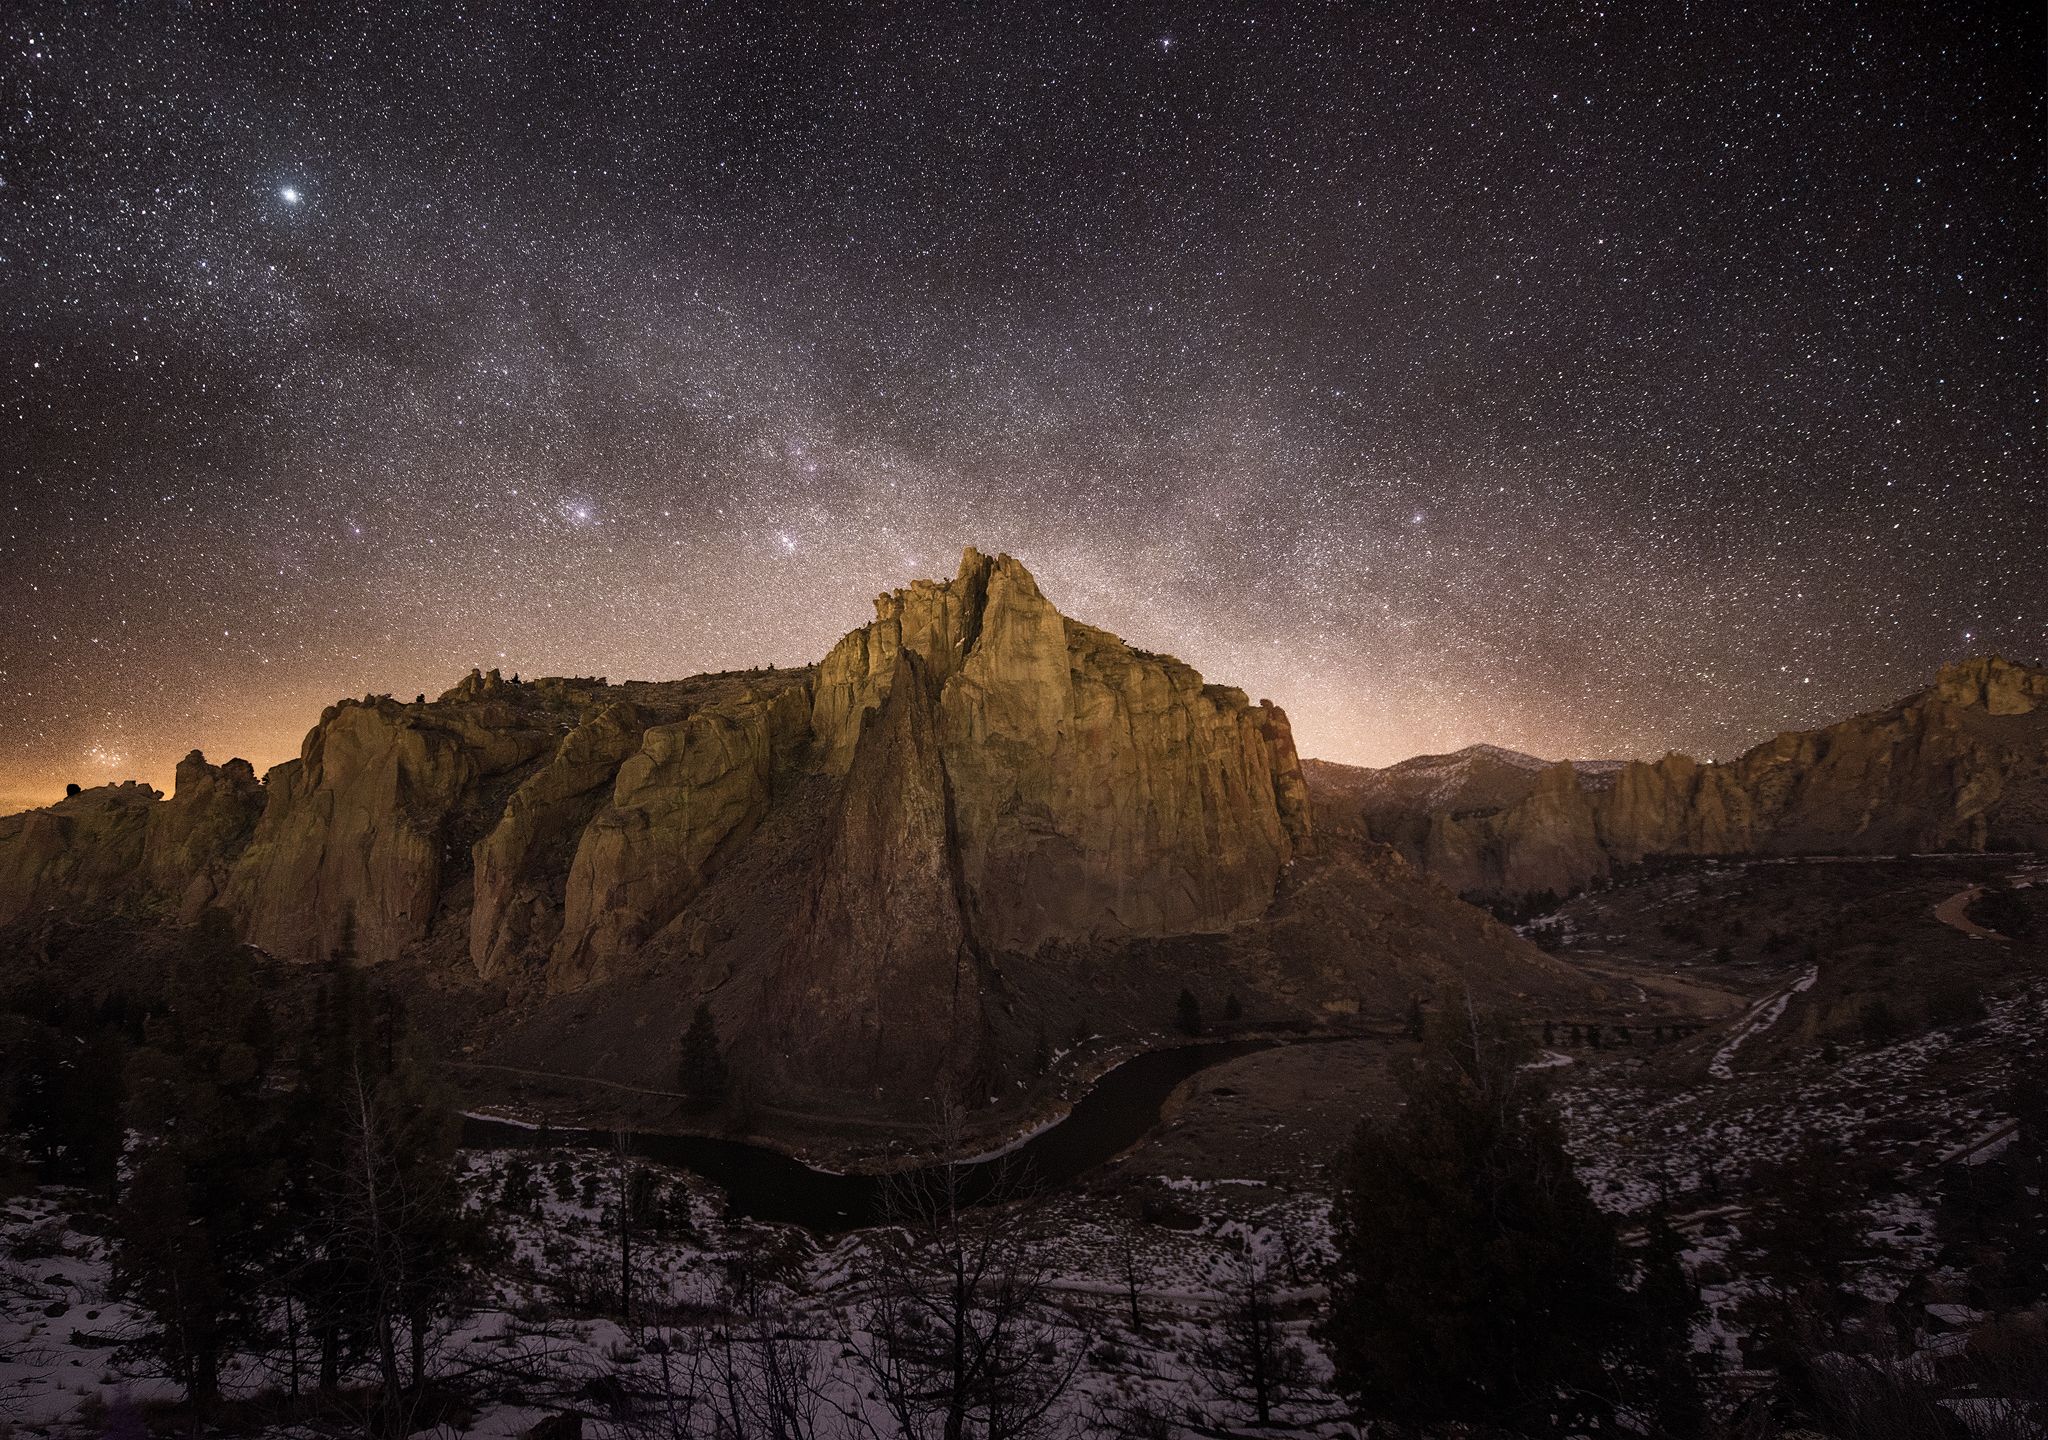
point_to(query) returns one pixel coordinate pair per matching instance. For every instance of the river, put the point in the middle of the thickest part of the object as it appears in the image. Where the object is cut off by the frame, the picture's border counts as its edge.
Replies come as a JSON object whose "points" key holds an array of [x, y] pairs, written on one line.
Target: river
{"points": [[764, 1184]]}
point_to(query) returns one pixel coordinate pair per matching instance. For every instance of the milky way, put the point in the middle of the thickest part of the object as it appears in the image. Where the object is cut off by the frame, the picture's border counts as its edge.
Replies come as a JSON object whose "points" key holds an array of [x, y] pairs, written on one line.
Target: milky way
{"points": [[1624, 379]]}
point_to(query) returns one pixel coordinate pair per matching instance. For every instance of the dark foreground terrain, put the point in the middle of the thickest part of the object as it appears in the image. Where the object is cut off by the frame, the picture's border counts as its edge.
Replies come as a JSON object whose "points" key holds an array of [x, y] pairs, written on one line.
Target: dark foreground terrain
{"points": [[1792, 1064]]}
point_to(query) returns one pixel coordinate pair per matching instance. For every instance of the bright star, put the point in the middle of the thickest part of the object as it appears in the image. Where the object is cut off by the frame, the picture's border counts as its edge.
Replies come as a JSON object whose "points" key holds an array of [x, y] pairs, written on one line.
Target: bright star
{"points": [[289, 194]]}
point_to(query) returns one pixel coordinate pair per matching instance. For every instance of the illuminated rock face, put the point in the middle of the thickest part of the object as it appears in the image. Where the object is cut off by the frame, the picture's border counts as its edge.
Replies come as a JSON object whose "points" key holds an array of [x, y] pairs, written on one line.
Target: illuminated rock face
{"points": [[1005, 778], [84, 851], [1096, 790], [680, 802], [969, 777], [1962, 765]]}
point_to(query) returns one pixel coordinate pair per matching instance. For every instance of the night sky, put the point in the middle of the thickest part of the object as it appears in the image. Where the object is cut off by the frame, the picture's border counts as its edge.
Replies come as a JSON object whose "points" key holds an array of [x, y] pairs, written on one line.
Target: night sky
{"points": [[1604, 382]]}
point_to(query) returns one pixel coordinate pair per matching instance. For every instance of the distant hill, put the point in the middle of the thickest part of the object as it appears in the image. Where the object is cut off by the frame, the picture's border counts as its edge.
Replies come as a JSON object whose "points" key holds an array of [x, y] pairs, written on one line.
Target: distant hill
{"points": [[1479, 777]]}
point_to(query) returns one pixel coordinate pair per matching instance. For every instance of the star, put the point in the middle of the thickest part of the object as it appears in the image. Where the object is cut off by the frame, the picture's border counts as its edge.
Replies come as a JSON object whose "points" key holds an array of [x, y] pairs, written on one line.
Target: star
{"points": [[1439, 410]]}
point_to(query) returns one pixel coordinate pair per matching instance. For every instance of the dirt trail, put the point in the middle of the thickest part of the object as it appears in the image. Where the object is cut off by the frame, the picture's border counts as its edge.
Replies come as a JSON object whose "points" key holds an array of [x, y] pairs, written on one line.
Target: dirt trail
{"points": [[1762, 1016], [1955, 913]]}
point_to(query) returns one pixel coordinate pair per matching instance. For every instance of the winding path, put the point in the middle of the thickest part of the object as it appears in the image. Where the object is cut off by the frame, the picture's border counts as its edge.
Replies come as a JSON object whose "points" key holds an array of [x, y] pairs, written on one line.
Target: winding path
{"points": [[1762, 1016], [1955, 913]]}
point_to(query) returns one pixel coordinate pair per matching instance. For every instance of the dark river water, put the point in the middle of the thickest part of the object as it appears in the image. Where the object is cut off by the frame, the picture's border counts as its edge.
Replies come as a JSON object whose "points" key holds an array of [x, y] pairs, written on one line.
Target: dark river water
{"points": [[768, 1185]]}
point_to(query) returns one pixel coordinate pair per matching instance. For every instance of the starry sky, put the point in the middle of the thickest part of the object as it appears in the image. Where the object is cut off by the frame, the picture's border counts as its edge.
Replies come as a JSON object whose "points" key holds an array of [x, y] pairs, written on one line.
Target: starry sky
{"points": [[1596, 380]]}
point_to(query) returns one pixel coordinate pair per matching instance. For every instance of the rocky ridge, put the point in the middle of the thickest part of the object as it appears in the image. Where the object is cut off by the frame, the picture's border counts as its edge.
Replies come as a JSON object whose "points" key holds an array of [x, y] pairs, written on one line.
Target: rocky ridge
{"points": [[1962, 765], [873, 868]]}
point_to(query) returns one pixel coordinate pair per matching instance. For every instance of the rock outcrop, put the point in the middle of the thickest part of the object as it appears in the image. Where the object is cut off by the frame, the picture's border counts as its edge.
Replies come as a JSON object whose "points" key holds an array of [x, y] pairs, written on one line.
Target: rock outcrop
{"points": [[689, 792], [1098, 790], [356, 834], [1962, 765], [522, 865], [85, 851], [965, 781], [887, 980], [195, 836]]}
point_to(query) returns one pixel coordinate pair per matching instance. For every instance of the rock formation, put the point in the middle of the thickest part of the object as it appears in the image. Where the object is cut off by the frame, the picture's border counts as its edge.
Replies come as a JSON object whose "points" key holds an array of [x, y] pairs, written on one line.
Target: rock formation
{"points": [[968, 779], [195, 835], [85, 851], [356, 832], [522, 865], [690, 791], [886, 981], [1962, 765], [1098, 790]]}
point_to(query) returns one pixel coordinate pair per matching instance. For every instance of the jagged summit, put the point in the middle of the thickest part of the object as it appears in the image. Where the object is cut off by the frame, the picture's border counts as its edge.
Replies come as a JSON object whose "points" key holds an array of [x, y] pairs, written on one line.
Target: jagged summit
{"points": [[882, 870]]}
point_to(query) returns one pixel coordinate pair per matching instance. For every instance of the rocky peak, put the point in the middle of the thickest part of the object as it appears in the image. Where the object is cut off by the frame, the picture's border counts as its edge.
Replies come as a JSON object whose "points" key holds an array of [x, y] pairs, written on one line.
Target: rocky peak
{"points": [[1097, 789]]}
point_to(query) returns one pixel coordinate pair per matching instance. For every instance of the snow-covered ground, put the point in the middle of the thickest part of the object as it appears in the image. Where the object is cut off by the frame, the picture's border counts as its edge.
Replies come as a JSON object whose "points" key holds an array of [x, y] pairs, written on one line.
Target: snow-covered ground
{"points": [[544, 1337], [1762, 1016]]}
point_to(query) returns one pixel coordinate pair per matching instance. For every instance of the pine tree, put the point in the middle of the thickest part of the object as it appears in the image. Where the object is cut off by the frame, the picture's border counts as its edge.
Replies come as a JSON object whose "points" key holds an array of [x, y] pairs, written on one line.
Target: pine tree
{"points": [[198, 1231], [1475, 1281], [702, 1074], [326, 1274], [1994, 1210], [1418, 1021], [1233, 1008], [1187, 1013], [379, 1242]]}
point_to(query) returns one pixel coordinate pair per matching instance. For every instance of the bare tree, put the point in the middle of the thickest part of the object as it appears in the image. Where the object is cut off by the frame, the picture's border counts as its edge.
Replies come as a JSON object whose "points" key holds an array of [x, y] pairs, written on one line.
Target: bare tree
{"points": [[744, 1374], [1130, 1269], [622, 1153], [1249, 1360], [959, 1337], [770, 1382]]}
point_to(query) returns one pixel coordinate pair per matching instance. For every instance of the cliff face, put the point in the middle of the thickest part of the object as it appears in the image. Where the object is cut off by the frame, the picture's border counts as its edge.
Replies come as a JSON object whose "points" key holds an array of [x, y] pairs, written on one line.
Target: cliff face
{"points": [[85, 850], [195, 835], [691, 791], [886, 980], [126, 848], [1097, 790], [356, 833], [967, 779], [1962, 765]]}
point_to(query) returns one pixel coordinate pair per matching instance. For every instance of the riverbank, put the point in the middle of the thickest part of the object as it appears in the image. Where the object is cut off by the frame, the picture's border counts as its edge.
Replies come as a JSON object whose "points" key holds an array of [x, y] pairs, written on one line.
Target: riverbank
{"points": [[835, 1142], [1116, 1113]]}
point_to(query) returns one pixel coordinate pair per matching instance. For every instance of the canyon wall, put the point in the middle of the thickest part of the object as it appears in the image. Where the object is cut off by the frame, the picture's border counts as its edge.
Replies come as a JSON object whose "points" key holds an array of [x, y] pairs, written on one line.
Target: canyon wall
{"points": [[971, 775], [1962, 765]]}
